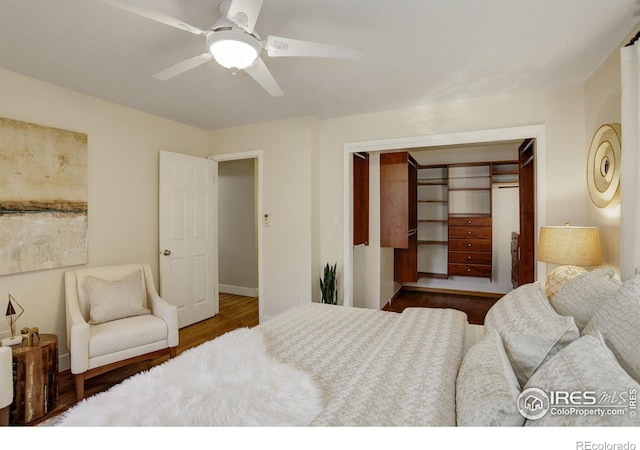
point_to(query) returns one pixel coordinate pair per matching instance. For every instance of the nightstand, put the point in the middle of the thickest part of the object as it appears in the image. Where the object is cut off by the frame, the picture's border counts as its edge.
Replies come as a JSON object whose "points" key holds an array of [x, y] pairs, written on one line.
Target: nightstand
{"points": [[35, 377]]}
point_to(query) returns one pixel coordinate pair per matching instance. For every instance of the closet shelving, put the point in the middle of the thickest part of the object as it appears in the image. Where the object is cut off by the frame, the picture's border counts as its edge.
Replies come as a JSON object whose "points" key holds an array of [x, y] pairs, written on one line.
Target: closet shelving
{"points": [[454, 216], [433, 211]]}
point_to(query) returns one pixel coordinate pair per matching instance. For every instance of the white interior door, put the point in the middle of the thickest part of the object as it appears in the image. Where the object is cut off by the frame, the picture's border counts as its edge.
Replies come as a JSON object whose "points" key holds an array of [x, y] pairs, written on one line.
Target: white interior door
{"points": [[187, 236]]}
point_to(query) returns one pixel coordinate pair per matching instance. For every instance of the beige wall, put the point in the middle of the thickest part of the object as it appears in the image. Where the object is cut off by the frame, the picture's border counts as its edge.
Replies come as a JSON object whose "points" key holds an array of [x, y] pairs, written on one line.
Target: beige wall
{"points": [[123, 146], [288, 147], [603, 105]]}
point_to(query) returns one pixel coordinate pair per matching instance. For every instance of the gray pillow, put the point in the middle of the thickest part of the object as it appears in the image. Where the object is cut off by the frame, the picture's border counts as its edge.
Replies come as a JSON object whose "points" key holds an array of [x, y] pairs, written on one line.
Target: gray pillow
{"points": [[619, 322], [531, 330], [115, 299], [486, 388], [582, 296], [585, 365]]}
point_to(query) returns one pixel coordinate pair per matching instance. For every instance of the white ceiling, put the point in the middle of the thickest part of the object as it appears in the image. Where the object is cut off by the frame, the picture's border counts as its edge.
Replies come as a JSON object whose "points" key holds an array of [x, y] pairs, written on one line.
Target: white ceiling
{"points": [[415, 51]]}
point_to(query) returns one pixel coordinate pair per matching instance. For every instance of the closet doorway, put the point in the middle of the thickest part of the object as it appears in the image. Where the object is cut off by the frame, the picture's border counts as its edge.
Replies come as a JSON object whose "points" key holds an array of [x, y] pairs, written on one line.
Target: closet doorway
{"points": [[535, 132]]}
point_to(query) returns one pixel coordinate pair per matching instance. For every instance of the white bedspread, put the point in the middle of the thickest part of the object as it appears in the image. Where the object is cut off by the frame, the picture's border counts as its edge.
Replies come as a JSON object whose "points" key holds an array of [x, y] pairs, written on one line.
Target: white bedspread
{"points": [[315, 364], [375, 368]]}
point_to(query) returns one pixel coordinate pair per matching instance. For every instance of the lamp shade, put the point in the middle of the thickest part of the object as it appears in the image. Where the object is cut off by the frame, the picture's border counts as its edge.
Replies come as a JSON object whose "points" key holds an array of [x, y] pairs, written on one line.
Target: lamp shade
{"points": [[578, 246]]}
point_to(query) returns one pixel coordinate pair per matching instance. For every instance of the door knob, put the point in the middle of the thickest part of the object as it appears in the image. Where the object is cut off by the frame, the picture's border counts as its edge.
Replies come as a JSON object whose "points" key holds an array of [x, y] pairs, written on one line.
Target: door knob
{"points": [[166, 252]]}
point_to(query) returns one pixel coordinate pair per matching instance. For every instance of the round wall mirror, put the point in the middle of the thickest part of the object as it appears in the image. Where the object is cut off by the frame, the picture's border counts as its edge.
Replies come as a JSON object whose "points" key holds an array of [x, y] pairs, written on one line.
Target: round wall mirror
{"points": [[603, 166]]}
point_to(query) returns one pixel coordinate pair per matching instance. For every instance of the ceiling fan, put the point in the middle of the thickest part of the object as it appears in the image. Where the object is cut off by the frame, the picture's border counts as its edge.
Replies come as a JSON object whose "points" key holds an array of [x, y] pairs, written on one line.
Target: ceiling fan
{"points": [[233, 43]]}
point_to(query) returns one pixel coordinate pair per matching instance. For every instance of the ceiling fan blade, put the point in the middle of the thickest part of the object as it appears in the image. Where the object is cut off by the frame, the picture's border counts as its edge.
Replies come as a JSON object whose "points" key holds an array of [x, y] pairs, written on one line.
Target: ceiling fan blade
{"points": [[279, 46], [183, 66], [260, 72], [154, 15], [244, 13]]}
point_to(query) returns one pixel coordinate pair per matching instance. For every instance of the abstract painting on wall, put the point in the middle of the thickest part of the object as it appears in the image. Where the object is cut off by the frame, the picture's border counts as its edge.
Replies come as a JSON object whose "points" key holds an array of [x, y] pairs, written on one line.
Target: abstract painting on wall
{"points": [[43, 197]]}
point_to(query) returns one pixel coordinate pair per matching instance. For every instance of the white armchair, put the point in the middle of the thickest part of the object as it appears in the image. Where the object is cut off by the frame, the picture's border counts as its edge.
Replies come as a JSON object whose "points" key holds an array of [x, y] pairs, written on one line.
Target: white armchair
{"points": [[98, 339], [6, 384]]}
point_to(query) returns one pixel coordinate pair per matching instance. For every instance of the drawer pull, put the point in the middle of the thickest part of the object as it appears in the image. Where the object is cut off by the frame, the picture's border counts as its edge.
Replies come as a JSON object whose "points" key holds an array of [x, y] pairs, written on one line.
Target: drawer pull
{"points": [[468, 258], [469, 233], [468, 245], [468, 270], [468, 222]]}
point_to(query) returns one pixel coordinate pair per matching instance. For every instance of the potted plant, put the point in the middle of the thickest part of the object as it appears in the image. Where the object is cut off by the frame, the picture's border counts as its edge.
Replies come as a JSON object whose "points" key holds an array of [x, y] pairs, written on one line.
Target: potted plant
{"points": [[329, 285]]}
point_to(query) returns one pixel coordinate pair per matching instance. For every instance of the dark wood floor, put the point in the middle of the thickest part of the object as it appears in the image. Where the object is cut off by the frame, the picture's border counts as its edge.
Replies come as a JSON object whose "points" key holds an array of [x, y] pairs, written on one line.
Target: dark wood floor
{"points": [[236, 312], [475, 305]]}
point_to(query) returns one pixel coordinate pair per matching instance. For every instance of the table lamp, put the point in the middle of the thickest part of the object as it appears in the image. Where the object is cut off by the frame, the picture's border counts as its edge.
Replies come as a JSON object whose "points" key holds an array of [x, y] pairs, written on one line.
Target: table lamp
{"points": [[571, 247], [12, 316]]}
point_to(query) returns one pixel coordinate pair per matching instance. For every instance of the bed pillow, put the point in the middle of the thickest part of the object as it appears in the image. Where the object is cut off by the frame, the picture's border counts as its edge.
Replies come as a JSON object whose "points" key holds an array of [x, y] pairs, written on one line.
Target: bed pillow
{"points": [[486, 388], [585, 365], [558, 278], [619, 320], [113, 300], [531, 330], [585, 294]]}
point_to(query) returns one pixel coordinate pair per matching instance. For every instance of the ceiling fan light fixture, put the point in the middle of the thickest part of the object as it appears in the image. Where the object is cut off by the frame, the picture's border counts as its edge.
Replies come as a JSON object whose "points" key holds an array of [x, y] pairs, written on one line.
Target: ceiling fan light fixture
{"points": [[233, 49]]}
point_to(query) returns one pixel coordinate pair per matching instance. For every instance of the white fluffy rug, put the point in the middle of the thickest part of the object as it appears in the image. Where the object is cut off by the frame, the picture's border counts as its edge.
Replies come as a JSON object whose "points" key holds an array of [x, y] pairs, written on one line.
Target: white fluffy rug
{"points": [[230, 381]]}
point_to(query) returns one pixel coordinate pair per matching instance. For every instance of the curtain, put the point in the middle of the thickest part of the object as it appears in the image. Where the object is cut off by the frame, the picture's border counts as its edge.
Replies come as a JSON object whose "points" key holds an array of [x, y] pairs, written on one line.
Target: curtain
{"points": [[630, 160]]}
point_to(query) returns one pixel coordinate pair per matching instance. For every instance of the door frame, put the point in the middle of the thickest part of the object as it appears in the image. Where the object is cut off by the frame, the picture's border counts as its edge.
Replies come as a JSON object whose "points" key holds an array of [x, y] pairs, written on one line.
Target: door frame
{"points": [[537, 132], [257, 155]]}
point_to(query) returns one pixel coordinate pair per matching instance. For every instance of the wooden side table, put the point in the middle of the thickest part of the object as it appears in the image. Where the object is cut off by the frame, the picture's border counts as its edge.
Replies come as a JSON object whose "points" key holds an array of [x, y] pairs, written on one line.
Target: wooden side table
{"points": [[35, 376]]}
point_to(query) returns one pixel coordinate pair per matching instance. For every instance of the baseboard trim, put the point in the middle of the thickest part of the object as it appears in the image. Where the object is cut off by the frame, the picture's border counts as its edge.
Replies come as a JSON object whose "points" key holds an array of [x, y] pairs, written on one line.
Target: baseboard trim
{"points": [[238, 290], [64, 362], [494, 295], [394, 297]]}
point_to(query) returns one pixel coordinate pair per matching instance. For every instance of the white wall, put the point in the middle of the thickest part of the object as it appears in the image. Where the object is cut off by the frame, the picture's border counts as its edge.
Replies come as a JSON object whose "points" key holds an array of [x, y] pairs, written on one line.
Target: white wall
{"points": [[123, 146], [602, 106], [237, 238], [287, 147], [505, 220]]}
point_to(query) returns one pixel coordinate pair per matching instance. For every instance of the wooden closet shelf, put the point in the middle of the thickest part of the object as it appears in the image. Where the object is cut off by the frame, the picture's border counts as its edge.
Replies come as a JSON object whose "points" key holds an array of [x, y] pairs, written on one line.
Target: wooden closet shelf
{"points": [[432, 242]]}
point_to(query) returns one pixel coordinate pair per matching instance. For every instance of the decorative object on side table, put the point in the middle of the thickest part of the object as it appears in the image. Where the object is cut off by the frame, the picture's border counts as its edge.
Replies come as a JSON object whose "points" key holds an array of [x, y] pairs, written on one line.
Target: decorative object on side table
{"points": [[329, 285], [12, 317], [571, 247], [28, 336]]}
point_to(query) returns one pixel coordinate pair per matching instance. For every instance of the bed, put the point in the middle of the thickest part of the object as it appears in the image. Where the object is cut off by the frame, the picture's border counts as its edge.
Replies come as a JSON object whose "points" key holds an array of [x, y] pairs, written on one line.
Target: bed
{"points": [[327, 365]]}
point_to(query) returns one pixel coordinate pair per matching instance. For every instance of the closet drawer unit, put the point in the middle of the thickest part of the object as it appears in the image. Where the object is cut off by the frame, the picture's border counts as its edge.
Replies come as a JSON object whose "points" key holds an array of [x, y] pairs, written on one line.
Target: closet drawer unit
{"points": [[470, 221], [470, 270], [469, 232], [469, 258], [470, 245]]}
